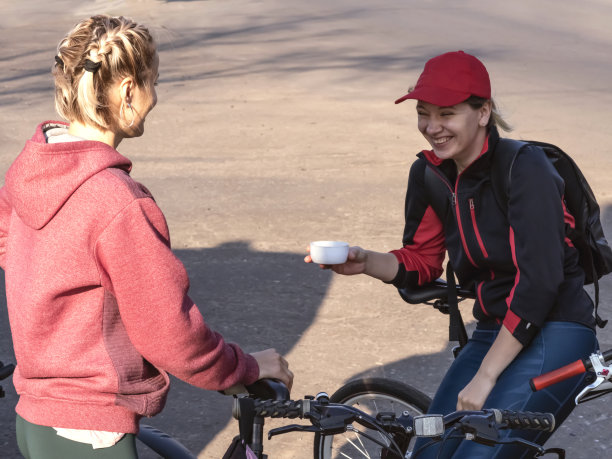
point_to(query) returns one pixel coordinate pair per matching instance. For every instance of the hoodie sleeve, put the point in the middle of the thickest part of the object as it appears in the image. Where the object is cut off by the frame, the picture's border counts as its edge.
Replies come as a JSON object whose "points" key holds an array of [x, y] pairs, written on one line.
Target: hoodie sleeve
{"points": [[537, 239], [5, 219], [150, 286]]}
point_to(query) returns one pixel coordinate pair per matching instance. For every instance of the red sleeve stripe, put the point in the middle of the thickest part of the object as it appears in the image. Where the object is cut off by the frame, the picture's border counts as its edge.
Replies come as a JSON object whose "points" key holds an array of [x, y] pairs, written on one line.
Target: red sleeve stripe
{"points": [[425, 254], [511, 320], [479, 293]]}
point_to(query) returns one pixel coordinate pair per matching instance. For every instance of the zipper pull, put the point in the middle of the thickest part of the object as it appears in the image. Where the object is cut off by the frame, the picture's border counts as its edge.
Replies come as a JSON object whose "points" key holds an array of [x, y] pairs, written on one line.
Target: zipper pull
{"points": [[471, 201], [454, 199]]}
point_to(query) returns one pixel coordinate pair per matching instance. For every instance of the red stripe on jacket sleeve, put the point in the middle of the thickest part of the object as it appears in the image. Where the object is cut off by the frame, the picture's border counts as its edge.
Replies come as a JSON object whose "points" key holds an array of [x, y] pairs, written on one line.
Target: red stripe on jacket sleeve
{"points": [[511, 320], [425, 254]]}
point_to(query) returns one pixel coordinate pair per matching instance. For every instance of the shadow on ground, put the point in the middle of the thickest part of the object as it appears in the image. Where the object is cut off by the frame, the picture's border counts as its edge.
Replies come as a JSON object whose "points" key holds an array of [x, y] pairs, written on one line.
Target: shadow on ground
{"points": [[249, 296]]}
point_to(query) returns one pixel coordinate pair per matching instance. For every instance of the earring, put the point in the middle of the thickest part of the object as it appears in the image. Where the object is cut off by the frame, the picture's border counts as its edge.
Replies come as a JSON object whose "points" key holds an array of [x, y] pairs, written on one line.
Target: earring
{"points": [[132, 110], [133, 115]]}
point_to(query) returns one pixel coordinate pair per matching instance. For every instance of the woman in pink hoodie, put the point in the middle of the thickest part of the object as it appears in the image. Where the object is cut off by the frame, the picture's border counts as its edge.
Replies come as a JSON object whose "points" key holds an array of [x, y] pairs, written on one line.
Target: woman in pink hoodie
{"points": [[97, 301]]}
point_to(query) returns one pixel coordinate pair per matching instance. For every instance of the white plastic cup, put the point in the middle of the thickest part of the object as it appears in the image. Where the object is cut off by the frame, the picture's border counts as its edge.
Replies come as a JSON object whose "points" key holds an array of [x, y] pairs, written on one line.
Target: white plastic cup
{"points": [[329, 252]]}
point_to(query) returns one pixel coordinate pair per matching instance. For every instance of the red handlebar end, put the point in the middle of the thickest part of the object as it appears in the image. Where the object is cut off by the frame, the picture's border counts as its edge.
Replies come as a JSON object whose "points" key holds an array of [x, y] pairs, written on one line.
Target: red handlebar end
{"points": [[558, 375]]}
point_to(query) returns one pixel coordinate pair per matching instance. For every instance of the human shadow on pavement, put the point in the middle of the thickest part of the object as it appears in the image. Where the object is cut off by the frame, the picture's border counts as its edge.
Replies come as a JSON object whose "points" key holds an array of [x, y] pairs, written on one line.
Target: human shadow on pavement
{"points": [[256, 299]]}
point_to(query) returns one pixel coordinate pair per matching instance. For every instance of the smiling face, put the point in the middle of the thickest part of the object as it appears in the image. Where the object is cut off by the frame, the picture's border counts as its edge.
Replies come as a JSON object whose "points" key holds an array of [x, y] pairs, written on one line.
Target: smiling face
{"points": [[457, 132]]}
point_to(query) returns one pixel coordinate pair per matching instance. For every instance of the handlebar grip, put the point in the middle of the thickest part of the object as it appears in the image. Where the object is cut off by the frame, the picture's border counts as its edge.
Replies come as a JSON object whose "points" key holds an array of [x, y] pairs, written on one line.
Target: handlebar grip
{"points": [[525, 420], [268, 389], [558, 375], [280, 408]]}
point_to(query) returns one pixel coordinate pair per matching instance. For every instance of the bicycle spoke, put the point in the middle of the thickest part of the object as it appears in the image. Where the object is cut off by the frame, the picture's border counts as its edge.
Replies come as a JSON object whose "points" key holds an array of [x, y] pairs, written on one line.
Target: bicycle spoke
{"points": [[372, 396], [362, 450]]}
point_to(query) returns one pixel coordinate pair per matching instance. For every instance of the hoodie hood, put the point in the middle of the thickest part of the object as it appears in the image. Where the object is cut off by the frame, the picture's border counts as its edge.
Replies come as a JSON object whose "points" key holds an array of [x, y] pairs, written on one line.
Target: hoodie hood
{"points": [[45, 175]]}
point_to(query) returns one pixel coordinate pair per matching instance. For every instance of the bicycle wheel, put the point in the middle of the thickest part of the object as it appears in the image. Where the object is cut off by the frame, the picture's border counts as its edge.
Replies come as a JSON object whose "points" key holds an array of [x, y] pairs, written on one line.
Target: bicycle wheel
{"points": [[372, 396]]}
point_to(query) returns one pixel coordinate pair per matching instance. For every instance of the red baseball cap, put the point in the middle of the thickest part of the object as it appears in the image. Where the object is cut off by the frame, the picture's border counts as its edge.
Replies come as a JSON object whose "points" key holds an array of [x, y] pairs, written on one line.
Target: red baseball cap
{"points": [[450, 79]]}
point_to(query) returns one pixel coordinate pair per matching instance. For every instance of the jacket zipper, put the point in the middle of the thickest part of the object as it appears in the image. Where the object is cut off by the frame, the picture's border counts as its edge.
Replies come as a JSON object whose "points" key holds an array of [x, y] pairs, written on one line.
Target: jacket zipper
{"points": [[460, 226], [455, 207], [475, 225]]}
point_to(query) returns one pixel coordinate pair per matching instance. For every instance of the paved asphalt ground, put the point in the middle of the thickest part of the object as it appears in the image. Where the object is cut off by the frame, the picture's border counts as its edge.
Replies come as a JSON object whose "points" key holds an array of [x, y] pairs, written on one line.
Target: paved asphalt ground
{"points": [[276, 126]]}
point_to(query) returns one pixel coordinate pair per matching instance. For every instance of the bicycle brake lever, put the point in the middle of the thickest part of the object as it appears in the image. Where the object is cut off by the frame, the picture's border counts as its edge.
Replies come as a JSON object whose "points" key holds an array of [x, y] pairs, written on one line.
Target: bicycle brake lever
{"points": [[292, 428], [589, 388], [601, 371], [480, 429]]}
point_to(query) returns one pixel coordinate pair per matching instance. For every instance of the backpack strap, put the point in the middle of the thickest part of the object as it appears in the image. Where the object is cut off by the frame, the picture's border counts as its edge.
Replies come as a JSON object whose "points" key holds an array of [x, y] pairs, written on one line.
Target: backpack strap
{"points": [[437, 194], [456, 327], [601, 323], [501, 167], [439, 200]]}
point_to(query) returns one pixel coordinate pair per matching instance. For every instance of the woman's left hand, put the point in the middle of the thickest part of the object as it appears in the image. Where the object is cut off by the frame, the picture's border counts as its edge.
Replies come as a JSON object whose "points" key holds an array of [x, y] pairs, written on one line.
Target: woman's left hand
{"points": [[473, 396], [503, 351]]}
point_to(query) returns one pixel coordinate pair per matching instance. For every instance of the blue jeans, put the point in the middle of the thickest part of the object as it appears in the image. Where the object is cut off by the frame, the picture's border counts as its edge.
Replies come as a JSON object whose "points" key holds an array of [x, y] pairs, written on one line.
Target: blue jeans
{"points": [[557, 344]]}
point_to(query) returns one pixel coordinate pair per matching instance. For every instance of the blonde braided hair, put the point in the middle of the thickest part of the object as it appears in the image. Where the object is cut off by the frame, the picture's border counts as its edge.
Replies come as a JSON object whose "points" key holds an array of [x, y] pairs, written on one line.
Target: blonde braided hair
{"points": [[97, 52]]}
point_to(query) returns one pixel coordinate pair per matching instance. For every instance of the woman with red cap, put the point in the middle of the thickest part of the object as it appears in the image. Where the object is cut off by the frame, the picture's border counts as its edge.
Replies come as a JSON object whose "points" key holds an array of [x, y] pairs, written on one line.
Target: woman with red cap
{"points": [[532, 312]]}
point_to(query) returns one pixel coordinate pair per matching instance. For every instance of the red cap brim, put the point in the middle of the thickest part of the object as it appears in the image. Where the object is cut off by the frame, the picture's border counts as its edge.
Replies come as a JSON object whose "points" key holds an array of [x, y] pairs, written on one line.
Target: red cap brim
{"points": [[437, 96]]}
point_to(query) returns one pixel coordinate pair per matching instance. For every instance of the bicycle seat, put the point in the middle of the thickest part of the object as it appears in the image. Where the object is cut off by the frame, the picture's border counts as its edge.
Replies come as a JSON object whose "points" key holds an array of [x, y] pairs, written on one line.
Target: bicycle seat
{"points": [[6, 370], [436, 290]]}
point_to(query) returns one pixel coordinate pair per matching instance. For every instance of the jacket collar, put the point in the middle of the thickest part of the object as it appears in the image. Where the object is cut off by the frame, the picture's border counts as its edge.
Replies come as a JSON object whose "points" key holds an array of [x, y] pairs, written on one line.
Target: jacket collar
{"points": [[481, 164]]}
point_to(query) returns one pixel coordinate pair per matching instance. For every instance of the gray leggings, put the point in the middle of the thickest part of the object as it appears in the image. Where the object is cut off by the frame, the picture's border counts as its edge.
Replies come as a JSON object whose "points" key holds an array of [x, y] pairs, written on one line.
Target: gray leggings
{"points": [[41, 442]]}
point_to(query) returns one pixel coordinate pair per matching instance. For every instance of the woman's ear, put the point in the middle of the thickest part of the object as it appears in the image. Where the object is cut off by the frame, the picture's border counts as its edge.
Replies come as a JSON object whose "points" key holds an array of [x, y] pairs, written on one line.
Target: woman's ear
{"points": [[126, 89], [485, 113]]}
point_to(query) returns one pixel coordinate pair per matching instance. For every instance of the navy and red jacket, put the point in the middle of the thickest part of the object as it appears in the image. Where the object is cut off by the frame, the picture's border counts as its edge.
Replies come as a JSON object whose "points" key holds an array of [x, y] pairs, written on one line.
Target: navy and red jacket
{"points": [[521, 265]]}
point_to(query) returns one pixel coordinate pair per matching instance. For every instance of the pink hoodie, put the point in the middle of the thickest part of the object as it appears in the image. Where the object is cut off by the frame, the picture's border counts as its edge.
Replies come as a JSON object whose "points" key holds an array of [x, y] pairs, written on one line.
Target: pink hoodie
{"points": [[97, 301]]}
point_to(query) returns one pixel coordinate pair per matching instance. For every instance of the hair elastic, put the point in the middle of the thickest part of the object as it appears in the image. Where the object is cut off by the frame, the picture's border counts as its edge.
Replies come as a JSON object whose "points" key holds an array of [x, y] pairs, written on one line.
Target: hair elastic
{"points": [[92, 66]]}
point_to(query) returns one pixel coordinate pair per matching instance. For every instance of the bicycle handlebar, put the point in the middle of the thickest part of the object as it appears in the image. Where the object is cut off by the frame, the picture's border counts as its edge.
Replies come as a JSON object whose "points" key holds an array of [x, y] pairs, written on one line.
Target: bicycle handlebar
{"points": [[315, 410], [525, 420], [558, 375], [268, 389], [327, 418], [565, 372], [290, 409]]}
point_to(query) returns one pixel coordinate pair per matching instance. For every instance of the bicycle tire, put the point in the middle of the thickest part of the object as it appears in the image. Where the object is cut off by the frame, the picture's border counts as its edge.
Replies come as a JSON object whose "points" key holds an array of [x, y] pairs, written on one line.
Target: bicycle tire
{"points": [[371, 395]]}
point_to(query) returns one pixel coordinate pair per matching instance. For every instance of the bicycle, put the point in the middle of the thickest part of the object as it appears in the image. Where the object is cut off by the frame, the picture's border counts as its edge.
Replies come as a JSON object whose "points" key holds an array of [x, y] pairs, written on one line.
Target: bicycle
{"points": [[393, 434], [394, 406], [267, 398], [270, 399]]}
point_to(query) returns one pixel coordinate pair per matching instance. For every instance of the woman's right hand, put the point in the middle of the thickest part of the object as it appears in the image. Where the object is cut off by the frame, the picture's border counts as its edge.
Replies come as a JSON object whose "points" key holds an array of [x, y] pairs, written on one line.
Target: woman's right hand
{"points": [[272, 365], [355, 262]]}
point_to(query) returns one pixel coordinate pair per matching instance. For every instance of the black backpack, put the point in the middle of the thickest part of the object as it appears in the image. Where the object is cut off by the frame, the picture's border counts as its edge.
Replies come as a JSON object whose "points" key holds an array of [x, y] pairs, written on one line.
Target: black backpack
{"points": [[587, 236]]}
